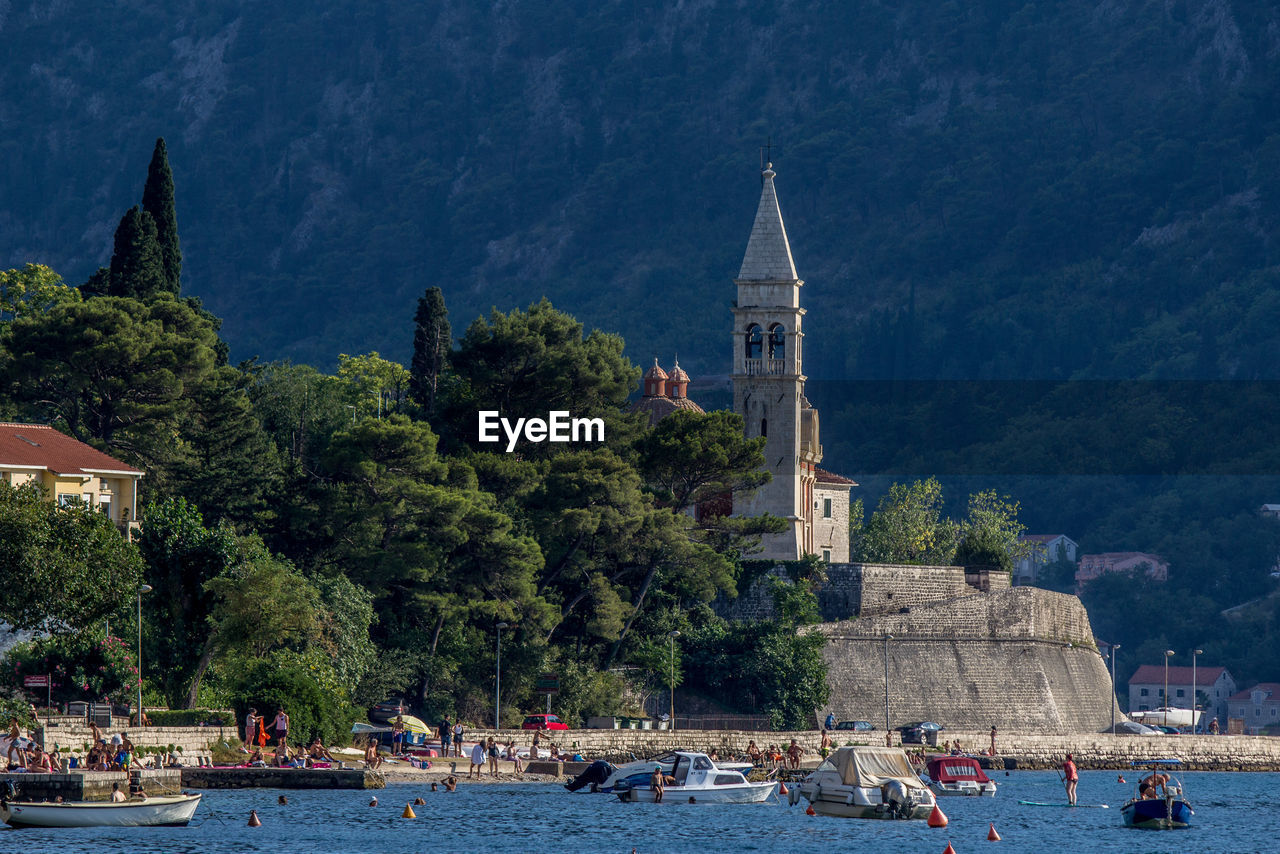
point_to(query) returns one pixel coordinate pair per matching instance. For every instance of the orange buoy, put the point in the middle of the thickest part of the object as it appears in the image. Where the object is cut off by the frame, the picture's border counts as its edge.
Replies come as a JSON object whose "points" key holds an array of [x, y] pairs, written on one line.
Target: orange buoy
{"points": [[992, 836], [254, 821], [948, 849], [408, 811], [782, 788], [809, 810], [937, 818]]}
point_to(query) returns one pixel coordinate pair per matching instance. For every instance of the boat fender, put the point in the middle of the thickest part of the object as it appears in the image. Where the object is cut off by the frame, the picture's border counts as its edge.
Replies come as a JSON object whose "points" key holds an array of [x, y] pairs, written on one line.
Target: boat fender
{"points": [[782, 788], [793, 796], [992, 836], [254, 821]]}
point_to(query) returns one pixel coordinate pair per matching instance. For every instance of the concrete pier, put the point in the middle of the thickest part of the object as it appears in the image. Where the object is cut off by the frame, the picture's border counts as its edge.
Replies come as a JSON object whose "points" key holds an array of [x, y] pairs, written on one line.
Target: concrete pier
{"points": [[281, 778], [91, 785]]}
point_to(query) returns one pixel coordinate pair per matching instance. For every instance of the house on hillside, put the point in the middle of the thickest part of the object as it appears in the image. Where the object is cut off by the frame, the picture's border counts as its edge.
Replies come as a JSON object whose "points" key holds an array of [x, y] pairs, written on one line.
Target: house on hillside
{"points": [[1047, 548], [1214, 684], [70, 471], [1092, 566], [1257, 708]]}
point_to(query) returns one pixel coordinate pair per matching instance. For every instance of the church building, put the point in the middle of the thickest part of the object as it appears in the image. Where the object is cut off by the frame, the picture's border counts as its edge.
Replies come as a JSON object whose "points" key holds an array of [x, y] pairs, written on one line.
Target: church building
{"points": [[768, 392]]}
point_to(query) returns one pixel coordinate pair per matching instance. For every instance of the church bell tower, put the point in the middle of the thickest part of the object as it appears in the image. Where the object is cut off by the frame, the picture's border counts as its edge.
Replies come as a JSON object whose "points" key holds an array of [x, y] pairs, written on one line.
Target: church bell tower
{"points": [[768, 380]]}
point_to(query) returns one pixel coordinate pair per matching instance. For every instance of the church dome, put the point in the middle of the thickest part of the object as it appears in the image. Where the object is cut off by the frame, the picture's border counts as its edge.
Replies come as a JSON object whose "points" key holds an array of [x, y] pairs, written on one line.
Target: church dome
{"points": [[655, 381]]}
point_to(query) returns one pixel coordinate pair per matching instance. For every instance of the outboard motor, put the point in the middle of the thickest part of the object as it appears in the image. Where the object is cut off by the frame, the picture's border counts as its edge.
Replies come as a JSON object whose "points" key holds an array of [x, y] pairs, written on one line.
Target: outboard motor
{"points": [[8, 792], [595, 774], [898, 798]]}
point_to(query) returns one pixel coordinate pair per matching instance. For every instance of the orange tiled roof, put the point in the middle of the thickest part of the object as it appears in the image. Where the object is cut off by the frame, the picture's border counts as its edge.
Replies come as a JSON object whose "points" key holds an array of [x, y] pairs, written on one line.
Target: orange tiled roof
{"points": [[39, 446]]}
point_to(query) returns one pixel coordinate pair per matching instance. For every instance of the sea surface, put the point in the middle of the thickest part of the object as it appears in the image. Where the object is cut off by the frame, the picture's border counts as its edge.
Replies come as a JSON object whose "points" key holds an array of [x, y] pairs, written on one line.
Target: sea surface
{"points": [[1233, 813]]}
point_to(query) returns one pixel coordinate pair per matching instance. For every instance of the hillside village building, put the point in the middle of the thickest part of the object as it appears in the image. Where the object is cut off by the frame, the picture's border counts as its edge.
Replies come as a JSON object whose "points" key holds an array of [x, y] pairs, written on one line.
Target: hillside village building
{"points": [[1048, 548], [70, 471], [1254, 710], [768, 392], [1092, 566]]}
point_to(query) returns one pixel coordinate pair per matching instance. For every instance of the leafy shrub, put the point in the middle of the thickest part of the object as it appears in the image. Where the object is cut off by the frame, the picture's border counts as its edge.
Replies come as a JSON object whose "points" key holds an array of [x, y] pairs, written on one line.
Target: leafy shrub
{"points": [[192, 717], [83, 668], [304, 688]]}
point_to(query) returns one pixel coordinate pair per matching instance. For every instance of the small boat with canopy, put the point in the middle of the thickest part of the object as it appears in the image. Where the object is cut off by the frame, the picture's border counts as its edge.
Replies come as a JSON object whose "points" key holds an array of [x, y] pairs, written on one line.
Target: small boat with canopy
{"points": [[866, 782], [959, 775]]}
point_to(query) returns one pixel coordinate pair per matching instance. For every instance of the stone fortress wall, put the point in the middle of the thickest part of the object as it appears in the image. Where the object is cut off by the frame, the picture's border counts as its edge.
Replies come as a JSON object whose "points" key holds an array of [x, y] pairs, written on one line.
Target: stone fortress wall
{"points": [[968, 651]]}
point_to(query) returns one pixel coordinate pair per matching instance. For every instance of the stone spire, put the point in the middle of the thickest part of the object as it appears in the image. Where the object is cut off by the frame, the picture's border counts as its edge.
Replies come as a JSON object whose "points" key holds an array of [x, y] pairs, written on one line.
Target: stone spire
{"points": [[768, 256]]}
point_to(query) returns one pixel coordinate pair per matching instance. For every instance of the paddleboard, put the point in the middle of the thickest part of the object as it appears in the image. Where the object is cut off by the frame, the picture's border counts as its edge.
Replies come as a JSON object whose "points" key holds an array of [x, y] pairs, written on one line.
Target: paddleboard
{"points": [[1077, 806]]}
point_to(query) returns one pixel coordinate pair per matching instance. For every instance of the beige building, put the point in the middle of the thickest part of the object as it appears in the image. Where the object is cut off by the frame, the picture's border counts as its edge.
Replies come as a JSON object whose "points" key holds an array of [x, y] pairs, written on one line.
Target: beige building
{"points": [[768, 392], [69, 471]]}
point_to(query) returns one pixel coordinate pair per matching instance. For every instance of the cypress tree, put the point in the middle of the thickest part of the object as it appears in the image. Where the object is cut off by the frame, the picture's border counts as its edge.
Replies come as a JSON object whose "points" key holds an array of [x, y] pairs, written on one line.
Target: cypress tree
{"points": [[432, 340], [137, 265], [157, 200]]}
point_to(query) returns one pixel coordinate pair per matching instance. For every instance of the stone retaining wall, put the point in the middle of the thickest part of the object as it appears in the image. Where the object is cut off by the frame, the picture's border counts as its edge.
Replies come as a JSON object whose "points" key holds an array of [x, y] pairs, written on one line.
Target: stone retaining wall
{"points": [[194, 741], [1026, 750]]}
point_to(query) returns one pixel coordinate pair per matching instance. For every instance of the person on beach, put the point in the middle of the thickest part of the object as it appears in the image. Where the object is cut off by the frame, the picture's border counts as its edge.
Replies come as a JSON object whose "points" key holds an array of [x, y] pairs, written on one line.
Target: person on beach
{"points": [[1070, 777], [825, 747], [493, 756], [537, 738], [753, 752], [656, 783], [445, 732], [458, 733], [794, 752], [514, 756], [256, 759], [1213, 727], [317, 750], [95, 733], [477, 760], [117, 796], [251, 727], [372, 759], [281, 726], [993, 740], [830, 722], [397, 735], [15, 733]]}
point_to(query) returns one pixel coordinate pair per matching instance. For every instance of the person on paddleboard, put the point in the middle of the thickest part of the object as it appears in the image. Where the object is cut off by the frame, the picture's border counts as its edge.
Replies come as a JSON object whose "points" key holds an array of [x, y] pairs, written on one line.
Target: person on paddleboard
{"points": [[1070, 777]]}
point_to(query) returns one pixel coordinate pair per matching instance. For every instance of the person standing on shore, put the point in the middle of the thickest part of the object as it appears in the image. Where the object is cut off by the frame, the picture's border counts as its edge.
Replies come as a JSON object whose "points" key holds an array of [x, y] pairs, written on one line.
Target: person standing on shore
{"points": [[830, 723], [458, 733], [397, 735], [825, 747], [477, 760], [493, 756], [993, 740], [250, 727], [1070, 777], [281, 726], [445, 731]]}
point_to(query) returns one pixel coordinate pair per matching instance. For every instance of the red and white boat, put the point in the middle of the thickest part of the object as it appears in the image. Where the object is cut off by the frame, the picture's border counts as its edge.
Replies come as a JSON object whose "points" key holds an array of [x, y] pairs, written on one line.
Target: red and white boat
{"points": [[959, 775]]}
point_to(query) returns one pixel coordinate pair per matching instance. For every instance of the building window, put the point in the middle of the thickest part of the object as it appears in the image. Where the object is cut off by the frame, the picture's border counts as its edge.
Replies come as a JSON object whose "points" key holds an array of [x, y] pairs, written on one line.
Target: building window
{"points": [[1143, 692], [67, 499], [104, 504], [777, 341], [764, 427], [1257, 711], [755, 342], [1181, 692], [826, 508], [826, 557]]}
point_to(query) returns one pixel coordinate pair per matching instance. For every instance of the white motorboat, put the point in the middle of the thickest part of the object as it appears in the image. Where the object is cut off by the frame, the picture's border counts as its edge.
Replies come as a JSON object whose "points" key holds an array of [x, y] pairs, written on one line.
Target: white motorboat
{"points": [[668, 762], [696, 779], [866, 782], [1168, 716], [172, 811], [959, 775]]}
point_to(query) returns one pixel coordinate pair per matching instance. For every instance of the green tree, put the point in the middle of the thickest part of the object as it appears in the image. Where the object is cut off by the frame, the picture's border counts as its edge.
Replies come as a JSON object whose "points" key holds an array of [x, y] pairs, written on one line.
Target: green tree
{"points": [[378, 386], [62, 568], [432, 342], [157, 200], [137, 261], [181, 556], [908, 527], [989, 534], [34, 289], [114, 372]]}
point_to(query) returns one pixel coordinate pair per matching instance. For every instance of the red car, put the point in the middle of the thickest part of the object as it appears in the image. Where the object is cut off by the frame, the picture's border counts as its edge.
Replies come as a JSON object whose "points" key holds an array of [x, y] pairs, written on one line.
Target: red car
{"points": [[543, 722]]}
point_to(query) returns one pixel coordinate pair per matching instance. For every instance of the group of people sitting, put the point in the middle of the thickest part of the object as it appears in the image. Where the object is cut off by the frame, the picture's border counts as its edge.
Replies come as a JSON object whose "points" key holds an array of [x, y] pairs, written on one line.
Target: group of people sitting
{"points": [[292, 757], [774, 756]]}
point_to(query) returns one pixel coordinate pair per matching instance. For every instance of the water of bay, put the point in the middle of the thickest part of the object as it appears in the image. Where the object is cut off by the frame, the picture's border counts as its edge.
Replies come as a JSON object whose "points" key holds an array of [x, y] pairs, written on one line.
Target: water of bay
{"points": [[1234, 813]]}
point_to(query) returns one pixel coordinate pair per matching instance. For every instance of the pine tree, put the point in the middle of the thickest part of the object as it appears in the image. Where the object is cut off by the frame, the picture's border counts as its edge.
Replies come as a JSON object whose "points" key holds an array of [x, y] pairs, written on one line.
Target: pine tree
{"points": [[137, 265], [157, 200], [432, 340]]}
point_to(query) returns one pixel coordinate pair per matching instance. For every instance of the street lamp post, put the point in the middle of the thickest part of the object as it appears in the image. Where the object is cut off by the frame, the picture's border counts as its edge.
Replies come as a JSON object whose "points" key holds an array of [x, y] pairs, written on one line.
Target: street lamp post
{"points": [[1194, 653], [142, 588], [497, 698], [887, 638], [1167, 654], [673, 634], [1114, 647]]}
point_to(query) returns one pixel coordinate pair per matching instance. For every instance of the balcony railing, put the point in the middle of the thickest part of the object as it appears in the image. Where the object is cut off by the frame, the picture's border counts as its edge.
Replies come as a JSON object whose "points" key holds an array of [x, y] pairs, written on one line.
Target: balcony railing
{"points": [[766, 367]]}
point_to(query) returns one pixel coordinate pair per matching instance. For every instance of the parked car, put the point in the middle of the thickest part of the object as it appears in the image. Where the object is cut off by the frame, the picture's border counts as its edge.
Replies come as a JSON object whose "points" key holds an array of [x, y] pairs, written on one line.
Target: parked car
{"points": [[543, 722], [387, 710], [860, 726], [914, 733]]}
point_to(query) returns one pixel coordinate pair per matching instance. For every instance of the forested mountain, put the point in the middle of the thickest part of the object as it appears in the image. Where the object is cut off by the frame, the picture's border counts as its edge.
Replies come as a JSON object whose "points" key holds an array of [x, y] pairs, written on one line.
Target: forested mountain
{"points": [[974, 190]]}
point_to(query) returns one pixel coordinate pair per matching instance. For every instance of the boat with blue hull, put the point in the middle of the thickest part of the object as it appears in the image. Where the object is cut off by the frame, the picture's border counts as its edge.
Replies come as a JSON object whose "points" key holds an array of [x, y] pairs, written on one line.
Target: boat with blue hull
{"points": [[1167, 811]]}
